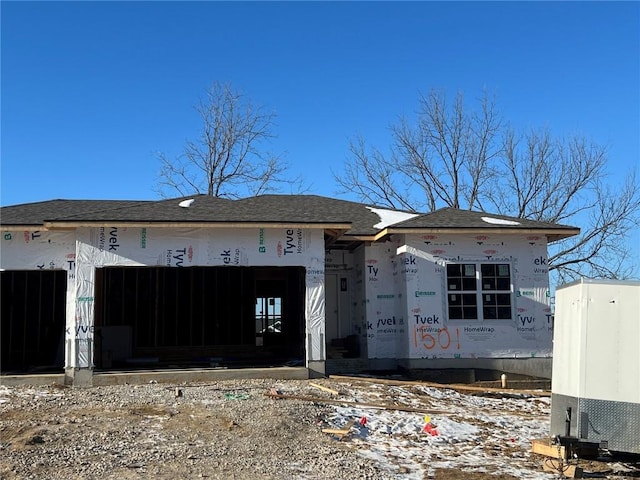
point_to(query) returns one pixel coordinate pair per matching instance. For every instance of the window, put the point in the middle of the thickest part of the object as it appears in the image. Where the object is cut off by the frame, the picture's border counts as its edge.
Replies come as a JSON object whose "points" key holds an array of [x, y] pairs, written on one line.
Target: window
{"points": [[268, 317], [470, 285], [496, 291], [462, 291]]}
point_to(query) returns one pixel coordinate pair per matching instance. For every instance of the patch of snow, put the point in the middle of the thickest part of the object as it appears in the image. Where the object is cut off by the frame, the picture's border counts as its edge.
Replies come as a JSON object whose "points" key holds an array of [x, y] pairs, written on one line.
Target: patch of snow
{"points": [[390, 217], [4, 393], [475, 434], [27, 392], [499, 221]]}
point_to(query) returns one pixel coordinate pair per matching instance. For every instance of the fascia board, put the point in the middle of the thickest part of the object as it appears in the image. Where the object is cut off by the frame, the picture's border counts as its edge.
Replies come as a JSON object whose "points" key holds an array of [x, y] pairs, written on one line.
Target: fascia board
{"points": [[56, 225], [551, 234]]}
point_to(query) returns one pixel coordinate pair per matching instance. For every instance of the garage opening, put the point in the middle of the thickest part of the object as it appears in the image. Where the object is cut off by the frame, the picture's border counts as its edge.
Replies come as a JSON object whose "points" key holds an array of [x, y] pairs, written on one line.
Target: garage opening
{"points": [[32, 322], [199, 316]]}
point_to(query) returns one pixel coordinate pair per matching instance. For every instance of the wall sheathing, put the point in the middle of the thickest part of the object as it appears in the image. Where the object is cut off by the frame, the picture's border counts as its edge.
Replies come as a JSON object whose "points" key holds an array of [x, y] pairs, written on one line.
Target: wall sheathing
{"points": [[86, 249], [360, 299], [406, 303], [399, 290], [386, 322]]}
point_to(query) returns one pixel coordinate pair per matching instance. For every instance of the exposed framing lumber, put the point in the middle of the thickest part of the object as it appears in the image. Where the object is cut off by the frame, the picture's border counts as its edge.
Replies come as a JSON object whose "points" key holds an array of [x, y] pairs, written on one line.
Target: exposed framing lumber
{"points": [[326, 389], [542, 446], [331, 401], [451, 386], [340, 432]]}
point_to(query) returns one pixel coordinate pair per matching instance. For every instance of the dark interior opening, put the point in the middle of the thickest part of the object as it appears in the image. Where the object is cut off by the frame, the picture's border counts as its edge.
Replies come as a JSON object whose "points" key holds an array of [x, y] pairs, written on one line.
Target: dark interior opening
{"points": [[199, 316], [32, 306]]}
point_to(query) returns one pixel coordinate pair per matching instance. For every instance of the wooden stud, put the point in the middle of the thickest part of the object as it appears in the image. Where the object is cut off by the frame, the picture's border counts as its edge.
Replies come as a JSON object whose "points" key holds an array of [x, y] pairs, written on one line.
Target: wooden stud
{"points": [[326, 389], [450, 386], [340, 432], [383, 406], [542, 446]]}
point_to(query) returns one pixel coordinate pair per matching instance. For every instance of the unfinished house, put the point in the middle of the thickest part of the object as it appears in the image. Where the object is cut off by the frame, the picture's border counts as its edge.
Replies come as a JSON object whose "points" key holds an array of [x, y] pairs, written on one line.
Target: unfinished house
{"points": [[325, 284]]}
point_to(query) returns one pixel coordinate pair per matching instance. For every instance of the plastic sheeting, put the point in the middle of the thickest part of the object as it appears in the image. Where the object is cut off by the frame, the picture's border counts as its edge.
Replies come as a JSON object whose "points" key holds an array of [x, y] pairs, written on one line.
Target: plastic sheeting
{"points": [[406, 298]]}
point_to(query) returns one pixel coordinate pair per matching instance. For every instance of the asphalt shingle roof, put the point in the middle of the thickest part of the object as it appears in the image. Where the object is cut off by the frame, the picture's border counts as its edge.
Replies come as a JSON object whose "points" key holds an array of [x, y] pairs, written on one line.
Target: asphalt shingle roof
{"points": [[264, 209], [456, 218], [37, 213]]}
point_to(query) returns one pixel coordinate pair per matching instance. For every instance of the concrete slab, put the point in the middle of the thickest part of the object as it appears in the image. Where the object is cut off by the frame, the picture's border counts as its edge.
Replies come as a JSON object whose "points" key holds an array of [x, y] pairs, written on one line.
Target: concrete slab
{"points": [[198, 375], [163, 376], [41, 379]]}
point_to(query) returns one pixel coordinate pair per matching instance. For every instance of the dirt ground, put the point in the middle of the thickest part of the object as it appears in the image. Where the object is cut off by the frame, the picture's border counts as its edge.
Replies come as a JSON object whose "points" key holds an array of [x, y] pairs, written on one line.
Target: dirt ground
{"points": [[232, 430]]}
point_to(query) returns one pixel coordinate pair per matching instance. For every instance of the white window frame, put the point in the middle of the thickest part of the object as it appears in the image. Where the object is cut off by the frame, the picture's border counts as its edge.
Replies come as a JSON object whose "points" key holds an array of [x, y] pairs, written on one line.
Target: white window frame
{"points": [[458, 290]]}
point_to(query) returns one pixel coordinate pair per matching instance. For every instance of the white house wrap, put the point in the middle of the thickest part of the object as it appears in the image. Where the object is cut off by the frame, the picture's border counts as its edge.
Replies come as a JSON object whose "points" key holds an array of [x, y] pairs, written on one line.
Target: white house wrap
{"points": [[114, 246], [351, 280]]}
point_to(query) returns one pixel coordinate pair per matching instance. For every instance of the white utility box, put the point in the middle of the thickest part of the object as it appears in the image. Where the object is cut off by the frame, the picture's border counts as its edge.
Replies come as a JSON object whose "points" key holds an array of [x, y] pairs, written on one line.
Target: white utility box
{"points": [[595, 386]]}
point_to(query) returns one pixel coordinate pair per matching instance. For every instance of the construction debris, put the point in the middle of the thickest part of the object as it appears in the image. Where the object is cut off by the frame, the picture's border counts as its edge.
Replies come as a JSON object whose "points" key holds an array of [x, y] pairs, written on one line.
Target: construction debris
{"points": [[330, 401], [543, 446], [340, 432], [326, 389], [451, 386], [559, 467]]}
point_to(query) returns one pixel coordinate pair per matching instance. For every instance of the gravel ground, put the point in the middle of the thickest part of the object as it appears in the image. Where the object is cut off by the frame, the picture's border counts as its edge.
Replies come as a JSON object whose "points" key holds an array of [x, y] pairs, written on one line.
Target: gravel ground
{"points": [[231, 430], [225, 430]]}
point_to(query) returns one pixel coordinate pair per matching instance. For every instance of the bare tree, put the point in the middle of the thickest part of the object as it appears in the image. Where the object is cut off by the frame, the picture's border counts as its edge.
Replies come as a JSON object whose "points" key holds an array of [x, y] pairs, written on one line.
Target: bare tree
{"points": [[564, 181], [229, 158], [374, 179], [453, 157], [449, 151], [443, 160]]}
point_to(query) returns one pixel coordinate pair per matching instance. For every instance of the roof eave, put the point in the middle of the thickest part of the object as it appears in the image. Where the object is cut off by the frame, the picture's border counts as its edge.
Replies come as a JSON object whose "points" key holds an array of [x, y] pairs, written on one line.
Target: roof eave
{"points": [[22, 227], [358, 238], [65, 225], [552, 234]]}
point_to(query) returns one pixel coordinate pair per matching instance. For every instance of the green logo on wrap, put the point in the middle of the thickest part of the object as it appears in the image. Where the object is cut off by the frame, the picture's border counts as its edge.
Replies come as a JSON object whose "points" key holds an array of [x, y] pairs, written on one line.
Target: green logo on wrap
{"points": [[425, 294]]}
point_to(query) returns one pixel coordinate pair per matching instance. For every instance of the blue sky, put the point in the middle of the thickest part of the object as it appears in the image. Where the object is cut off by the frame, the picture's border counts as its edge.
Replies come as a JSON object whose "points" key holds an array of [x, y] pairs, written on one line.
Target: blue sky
{"points": [[91, 91]]}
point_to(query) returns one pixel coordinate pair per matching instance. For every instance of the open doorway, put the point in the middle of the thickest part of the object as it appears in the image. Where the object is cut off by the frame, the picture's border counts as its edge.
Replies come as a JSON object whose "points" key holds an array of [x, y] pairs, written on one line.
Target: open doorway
{"points": [[279, 312], [33, 311], [198, 316], [342, 341]]}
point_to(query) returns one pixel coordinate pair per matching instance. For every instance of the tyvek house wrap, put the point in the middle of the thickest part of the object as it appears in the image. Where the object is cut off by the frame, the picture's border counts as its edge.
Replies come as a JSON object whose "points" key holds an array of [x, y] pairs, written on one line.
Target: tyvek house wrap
{"points": [[386, 327], [406, 298], [117, 246], [38, 250]]}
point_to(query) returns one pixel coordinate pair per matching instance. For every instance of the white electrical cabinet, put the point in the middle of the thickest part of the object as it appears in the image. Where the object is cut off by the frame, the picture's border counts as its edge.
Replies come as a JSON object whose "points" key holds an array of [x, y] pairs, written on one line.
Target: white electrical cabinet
{"points": [[595, 383]]}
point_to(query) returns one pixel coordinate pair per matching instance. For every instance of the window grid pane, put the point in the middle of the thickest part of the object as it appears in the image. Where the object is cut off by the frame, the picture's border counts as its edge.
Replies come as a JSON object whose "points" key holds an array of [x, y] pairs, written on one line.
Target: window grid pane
{"points": [[494, 291], [461, 278], [462, 306], [496, 278]]}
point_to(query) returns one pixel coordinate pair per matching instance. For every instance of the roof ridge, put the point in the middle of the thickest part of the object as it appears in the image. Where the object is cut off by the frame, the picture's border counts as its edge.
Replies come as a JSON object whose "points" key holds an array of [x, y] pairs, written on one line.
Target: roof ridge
{"points": [[333, 199], [131, 203]]}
